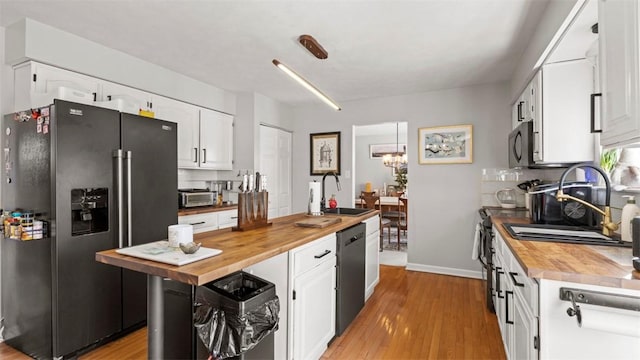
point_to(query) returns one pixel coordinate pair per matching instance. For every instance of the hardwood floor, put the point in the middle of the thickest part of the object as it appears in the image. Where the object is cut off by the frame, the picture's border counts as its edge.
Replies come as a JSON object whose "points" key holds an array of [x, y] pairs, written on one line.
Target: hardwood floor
{"points": [[411, 315]]}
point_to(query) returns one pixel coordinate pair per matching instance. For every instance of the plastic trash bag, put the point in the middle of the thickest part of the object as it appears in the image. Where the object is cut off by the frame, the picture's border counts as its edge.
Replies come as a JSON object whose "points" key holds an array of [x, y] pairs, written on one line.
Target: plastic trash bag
{"points": [[225, 333]]}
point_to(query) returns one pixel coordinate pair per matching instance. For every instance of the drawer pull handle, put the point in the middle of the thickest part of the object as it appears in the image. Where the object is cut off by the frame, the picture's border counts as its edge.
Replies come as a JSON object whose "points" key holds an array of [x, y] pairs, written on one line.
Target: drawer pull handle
{"points": [[513, 278], [506, 307], [325, 253], [197, 223], [574, 310], [498, 287], [234, 217]]}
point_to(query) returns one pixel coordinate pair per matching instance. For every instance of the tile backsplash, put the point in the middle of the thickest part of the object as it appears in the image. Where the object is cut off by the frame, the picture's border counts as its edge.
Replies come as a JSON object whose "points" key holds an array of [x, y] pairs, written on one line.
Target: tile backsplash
{"points": [[493, 180]]}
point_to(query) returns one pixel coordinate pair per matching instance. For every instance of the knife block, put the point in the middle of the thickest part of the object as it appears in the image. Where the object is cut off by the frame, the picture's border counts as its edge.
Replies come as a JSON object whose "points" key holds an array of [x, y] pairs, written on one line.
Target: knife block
{"points": [[253, 208]]}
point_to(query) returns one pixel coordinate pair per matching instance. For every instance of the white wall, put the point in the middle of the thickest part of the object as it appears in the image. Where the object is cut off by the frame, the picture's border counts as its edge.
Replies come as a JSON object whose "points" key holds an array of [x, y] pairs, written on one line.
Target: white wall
{"points": [[444, 199]]}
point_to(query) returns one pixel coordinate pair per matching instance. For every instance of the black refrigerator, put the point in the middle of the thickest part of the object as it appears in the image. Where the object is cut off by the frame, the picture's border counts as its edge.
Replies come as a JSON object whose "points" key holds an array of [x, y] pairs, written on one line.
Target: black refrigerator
{"points": [[98, 179]]}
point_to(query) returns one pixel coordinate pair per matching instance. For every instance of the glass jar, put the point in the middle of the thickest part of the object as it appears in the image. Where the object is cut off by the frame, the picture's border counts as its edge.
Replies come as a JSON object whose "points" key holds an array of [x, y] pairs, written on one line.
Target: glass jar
{"points": [[16, 230]]}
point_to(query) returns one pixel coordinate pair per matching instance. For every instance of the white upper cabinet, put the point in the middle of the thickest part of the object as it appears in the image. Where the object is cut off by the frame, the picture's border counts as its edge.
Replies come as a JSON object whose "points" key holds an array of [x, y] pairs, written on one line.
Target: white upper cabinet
{"points": [[124, 98], [619, 71], [216, 140], [188, 128], [564, 112], [36, 85]]}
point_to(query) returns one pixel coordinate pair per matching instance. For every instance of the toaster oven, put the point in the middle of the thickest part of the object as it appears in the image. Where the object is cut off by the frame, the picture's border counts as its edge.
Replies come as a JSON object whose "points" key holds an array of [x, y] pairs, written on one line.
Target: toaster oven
{"points": [[196, 197]]}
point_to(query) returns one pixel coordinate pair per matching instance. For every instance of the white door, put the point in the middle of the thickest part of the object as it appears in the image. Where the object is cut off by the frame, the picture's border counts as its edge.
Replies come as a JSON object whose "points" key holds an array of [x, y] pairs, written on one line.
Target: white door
{"points": [[216, 140], [284, 173], [314, 317]]}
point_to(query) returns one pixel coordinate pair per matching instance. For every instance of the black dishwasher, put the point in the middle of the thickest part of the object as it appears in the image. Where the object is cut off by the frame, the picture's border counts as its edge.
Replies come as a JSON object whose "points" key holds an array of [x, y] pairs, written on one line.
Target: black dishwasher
{"points": [[350, 274]]}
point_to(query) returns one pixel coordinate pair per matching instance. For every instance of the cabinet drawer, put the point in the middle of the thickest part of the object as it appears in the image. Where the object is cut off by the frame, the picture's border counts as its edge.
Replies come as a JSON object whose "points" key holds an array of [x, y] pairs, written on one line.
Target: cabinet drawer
{"points": [[227, 219], [522, 284], [372, 224], [200, 222], [310, 255]]}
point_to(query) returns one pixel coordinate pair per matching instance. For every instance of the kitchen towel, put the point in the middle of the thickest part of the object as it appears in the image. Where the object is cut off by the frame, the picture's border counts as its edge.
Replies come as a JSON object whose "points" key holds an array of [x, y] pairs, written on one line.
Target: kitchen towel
{"points": [[314, 198], [180, 234], [623, 322], [475, 252]]}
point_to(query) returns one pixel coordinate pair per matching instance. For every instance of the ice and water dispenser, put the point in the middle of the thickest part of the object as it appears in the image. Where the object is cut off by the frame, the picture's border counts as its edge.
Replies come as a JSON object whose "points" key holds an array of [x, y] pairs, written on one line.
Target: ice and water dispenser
{"points": [[89, 211]]}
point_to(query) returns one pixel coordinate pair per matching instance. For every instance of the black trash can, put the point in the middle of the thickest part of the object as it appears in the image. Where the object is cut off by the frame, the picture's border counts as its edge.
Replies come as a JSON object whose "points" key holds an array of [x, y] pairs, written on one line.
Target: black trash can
{"points": [[235, 317]]}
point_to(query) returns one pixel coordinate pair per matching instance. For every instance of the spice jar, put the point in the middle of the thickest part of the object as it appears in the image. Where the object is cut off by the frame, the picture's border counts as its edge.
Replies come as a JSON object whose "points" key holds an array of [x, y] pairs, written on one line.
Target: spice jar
{"points": [[16, 230]]}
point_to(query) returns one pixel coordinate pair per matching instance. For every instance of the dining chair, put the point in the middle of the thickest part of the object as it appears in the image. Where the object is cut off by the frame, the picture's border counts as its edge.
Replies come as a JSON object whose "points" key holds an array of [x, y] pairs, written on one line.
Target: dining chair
{"points": [[403, 220], [370, 200]]}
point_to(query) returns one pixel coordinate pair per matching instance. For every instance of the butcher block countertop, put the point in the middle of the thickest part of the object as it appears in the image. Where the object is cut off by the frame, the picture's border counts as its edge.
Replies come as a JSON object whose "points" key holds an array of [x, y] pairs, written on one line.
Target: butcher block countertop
{"points": [[240, 249], [585, 264], [206, 209]]}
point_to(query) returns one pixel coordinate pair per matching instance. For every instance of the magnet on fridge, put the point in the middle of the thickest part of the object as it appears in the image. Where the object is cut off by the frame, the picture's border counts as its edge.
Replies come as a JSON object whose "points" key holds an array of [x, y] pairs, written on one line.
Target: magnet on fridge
{"points": [[8, 131], [7, 166], [8, 180], [46, 120], [39, 128], [45, 129], [40, 119], [44, 111]]}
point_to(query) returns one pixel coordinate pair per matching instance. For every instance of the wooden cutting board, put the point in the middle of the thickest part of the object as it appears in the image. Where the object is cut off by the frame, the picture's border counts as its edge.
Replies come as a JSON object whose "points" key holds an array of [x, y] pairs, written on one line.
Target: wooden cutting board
{"points": [[319, 221]]}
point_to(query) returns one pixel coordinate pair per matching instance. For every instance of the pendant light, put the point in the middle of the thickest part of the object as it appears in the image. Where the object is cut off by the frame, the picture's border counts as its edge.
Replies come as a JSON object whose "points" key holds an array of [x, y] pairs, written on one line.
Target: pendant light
{"points": [[397, 159]]}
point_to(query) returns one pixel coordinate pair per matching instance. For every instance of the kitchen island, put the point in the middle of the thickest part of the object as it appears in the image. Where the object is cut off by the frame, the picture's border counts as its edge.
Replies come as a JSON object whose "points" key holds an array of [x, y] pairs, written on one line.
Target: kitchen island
{"points": [[240, 249]]}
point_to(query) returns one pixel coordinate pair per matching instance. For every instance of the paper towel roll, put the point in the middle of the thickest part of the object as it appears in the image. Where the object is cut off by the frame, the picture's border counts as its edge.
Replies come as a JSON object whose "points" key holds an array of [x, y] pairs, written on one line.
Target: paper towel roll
{"points": [[613, 322], [180, 234], [315, 193]]}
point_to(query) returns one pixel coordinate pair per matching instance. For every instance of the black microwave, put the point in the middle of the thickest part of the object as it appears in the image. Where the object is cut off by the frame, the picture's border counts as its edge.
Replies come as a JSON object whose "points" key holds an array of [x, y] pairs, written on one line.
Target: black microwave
{"points": [[521, 146]]}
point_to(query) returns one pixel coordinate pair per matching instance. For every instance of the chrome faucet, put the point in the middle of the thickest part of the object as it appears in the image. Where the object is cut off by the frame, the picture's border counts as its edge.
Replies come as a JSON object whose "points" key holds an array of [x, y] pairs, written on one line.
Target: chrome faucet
{"points": [[608, 226], [323, 201]]}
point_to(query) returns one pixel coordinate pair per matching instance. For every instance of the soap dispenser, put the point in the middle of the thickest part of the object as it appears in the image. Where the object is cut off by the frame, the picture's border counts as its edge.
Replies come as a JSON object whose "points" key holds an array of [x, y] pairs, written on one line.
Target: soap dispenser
{"points": [[629, 211]]}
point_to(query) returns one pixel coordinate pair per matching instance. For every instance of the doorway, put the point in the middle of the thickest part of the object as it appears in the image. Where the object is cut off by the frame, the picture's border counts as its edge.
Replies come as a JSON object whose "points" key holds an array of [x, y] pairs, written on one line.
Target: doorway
{"points": [[371, 143]]}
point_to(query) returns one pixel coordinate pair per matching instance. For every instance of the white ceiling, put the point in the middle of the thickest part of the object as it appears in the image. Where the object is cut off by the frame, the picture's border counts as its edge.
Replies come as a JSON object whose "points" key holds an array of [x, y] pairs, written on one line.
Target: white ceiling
{"points": [[376, 48]]}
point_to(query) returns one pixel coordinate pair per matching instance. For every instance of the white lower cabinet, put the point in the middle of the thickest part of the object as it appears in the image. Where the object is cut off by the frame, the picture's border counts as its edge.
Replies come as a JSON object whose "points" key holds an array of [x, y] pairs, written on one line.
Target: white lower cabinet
{"points": [[312, 322], [210, 221], [372, 256], [200, 222], [516, 304]]}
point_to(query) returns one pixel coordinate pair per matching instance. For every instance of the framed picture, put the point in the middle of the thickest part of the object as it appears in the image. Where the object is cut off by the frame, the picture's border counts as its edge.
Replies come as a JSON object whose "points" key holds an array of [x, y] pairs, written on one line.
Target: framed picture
{"points": [[377, 151], [445, 145], [325, 153]]}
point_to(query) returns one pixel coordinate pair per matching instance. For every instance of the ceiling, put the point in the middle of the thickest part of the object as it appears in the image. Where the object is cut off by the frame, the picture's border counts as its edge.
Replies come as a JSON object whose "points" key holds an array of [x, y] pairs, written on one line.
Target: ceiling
{"points": [[376, 48]]}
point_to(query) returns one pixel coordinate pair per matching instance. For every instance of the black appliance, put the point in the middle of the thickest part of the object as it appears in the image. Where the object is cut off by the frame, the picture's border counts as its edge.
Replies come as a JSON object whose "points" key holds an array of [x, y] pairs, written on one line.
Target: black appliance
{"points": [[485, 251], [350, 268], [102, 180], [546, 209], [521, 146]]}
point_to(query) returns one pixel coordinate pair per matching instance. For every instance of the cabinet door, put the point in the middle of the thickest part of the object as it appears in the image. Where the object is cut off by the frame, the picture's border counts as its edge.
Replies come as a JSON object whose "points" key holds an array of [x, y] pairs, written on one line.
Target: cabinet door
{"points": [[314, 311], [37, 85], [525, 329], [372, 263], [216, 140], [227, 219], [186, 116], [618, 35], [124, 98], [200, 222]]}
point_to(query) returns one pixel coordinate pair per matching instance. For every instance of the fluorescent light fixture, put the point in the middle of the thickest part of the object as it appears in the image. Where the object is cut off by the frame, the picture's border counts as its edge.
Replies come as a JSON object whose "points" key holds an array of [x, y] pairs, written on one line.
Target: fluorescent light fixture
{"points": [[306, 84]]}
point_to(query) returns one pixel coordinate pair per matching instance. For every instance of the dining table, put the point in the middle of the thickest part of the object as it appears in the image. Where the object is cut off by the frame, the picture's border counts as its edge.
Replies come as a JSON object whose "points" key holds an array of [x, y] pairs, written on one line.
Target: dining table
{"points": [[387, 203]]}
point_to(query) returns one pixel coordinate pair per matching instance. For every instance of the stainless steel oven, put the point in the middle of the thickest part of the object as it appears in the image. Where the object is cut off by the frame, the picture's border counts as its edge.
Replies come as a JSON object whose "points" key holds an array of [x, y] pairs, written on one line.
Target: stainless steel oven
{"points": [[485, 252]]}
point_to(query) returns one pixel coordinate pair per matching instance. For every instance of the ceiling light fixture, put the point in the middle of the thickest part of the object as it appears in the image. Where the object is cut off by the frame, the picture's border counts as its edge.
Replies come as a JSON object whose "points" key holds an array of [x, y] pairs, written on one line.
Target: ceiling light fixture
{"points": [[397, 159], [307, 85]]}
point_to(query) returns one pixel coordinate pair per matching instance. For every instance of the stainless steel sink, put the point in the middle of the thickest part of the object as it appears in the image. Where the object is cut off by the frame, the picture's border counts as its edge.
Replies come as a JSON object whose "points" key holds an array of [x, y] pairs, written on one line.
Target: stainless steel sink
{"points": [[347, 211], [561, 233]]}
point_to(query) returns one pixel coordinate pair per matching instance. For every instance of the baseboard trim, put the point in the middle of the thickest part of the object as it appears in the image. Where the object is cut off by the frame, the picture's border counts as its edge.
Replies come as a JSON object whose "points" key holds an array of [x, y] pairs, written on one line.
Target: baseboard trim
{"points": [[444, 270]]}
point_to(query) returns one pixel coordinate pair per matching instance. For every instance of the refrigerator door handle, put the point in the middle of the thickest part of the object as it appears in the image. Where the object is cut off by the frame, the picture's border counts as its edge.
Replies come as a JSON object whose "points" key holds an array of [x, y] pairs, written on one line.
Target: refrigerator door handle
{"points": [[129, 192], [117, 154]]}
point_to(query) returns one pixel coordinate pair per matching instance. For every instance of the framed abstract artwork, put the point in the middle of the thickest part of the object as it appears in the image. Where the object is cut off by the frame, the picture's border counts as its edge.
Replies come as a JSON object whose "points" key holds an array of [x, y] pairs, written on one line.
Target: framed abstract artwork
{"points": [[445, 145], [324, 153]]}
